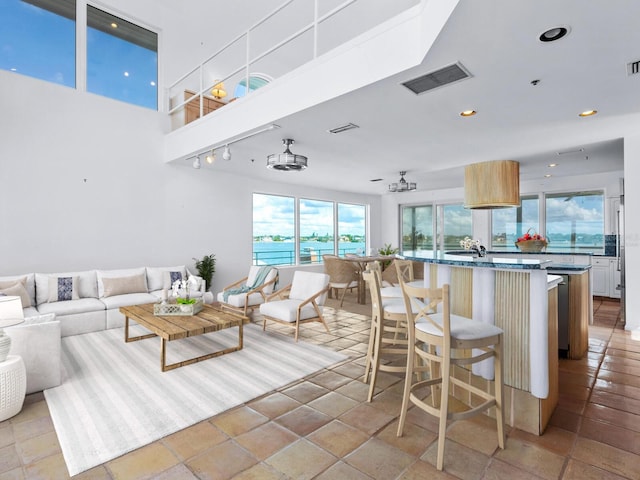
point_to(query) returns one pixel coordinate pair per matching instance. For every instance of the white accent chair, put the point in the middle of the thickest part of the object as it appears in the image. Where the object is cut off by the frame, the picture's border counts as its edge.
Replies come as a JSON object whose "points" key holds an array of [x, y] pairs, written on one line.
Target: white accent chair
{"points": [[300, 302], [246, 302]]}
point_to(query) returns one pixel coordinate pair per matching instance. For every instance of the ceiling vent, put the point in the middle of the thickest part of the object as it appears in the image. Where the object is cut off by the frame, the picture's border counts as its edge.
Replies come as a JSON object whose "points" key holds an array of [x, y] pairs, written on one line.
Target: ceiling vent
{"points": [[633, 68], [343, 128], [439, 78]]}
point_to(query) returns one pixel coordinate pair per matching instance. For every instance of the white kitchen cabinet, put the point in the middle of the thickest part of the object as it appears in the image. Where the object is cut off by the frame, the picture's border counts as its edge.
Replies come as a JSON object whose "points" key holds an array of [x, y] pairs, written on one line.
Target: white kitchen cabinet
{"points": [[601, 271]]}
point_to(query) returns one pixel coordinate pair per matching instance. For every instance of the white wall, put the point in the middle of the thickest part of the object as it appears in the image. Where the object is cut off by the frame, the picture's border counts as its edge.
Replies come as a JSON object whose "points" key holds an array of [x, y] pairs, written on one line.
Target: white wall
{"points": [[83, 186]]}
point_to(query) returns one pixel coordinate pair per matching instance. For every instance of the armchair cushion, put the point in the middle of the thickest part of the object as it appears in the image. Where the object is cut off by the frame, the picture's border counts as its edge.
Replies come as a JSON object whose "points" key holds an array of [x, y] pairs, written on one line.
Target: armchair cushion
{"points": [[307, 284], [286, 310]]}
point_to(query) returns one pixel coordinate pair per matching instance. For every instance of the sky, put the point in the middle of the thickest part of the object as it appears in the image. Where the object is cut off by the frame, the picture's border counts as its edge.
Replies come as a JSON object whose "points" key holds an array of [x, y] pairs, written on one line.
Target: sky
{"points": [[274, 215]]}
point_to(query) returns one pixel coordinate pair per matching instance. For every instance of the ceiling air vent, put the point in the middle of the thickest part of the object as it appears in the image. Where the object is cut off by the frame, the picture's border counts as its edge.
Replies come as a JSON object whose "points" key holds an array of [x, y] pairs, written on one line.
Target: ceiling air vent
{"points": [[343, 128], [439, 78], [633, 67]]}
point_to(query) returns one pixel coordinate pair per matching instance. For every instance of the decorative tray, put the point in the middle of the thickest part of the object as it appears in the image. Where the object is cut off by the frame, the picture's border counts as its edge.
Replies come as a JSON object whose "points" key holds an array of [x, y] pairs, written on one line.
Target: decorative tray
{"points": [[169, 308]]}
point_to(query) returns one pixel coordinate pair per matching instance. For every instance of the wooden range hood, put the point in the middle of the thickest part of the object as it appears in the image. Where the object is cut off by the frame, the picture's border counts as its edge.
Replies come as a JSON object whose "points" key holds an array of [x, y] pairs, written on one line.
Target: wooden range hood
{"points": [[494, 184]]}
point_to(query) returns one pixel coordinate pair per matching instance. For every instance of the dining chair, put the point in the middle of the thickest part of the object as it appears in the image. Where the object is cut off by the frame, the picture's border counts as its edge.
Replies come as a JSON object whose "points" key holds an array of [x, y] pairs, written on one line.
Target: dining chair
{"points": [[433, 333], [343, 275], [251, 291], [299, 302]]}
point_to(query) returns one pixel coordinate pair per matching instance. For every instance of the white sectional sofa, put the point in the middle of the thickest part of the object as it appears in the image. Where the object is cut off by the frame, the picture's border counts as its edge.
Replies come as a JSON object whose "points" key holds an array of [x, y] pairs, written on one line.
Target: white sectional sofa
{"points": [[89, 301]]}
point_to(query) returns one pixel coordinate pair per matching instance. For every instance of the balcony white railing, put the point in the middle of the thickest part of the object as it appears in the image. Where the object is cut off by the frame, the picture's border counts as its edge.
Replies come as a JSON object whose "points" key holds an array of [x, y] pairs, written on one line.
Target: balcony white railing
{"points": [[298, 32]]}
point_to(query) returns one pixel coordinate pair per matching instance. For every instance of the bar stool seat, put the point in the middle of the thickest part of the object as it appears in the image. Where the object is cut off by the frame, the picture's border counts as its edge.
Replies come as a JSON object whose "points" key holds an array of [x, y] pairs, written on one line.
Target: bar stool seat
{"points": [[433, 333]]}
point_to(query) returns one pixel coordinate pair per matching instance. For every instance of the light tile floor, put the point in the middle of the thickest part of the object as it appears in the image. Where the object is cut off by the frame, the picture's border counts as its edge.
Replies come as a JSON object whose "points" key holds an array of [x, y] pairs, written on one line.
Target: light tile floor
{"points": [[322, 427]]}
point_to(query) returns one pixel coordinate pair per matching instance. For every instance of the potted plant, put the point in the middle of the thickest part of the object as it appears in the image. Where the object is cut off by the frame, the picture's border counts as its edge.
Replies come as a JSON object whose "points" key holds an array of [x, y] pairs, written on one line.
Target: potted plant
{"points": [[206, 268], [387, 250]]}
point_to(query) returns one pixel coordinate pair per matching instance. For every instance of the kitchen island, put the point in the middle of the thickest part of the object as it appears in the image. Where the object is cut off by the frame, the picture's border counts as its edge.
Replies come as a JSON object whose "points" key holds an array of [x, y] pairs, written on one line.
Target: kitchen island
{"points": [[521, 297]]}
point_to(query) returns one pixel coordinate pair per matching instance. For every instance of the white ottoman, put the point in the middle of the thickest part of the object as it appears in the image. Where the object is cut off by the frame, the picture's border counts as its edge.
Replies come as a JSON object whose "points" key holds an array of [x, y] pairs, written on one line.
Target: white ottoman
{"points": [[13, 385]]}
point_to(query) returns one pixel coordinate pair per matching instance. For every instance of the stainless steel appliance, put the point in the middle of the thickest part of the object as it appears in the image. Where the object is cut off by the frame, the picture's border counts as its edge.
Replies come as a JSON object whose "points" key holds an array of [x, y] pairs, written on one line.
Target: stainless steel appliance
{"points": [[620, 253]]}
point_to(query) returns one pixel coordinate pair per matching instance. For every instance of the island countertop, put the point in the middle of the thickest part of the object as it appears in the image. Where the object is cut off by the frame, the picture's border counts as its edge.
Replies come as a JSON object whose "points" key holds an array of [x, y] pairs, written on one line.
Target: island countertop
{"points": [[501, 260]]}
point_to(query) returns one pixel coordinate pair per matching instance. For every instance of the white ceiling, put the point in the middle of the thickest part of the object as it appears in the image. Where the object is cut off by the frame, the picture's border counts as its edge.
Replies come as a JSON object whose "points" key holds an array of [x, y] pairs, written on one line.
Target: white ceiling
{"points": [[497, 42]]}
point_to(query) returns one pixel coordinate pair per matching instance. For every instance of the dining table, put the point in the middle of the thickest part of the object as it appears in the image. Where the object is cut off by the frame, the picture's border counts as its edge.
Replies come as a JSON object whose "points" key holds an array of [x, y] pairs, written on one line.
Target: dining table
{"points": [[361, 261]]}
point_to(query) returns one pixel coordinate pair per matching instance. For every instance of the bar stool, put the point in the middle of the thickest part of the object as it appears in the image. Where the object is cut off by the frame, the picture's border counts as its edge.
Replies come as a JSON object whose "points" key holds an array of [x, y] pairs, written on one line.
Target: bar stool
{"points": [[433, 335], [388, 317]]}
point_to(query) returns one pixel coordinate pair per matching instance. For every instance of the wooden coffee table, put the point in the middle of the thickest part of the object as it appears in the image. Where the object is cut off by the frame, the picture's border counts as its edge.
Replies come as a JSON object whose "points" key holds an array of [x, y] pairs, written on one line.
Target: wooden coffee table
{"points": [[209, 319]]}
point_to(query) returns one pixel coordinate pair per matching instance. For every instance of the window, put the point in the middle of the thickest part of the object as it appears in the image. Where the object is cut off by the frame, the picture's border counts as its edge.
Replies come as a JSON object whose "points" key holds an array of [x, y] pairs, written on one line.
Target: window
{"points": [[417, 229], [454, 223], [273, 230], [351, 229], [256, 80], [507, 224], [275, 221], [38, 39], [316, 230], [122, 59], [575, 220]]}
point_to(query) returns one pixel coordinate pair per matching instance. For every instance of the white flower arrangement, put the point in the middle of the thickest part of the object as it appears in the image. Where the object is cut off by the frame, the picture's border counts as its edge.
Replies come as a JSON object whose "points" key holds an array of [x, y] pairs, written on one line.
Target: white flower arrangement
{"points": [[469, 243], [182, 288]]}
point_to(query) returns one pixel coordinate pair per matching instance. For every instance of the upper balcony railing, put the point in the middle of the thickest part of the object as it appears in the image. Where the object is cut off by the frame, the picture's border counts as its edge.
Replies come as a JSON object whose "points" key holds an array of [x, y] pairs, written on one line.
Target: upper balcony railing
{"points": [[298, 30]]}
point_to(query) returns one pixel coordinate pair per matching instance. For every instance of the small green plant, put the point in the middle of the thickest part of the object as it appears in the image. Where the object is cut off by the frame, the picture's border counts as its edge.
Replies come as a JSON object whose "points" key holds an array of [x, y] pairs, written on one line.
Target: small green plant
{"points": [[206, 268], [185, 301], [387, 250]]}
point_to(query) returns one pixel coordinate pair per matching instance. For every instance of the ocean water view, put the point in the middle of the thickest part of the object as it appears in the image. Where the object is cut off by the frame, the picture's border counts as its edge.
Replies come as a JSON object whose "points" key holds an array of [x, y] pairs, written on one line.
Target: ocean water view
{"points": [[283, 253]]}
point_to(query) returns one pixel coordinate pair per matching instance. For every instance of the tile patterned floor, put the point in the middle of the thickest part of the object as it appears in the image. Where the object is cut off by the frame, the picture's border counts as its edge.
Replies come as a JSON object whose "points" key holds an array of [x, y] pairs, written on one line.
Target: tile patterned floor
{"points": [[321, 427]]}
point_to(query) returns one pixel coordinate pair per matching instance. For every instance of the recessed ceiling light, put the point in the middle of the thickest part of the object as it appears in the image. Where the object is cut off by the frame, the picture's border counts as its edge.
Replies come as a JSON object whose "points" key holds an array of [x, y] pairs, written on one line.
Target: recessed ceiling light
{"points": [[547, 175], [468, 113], [114, 25], [587, 113], [551, 165], [152, 83], [553, 34], [126, 74]]}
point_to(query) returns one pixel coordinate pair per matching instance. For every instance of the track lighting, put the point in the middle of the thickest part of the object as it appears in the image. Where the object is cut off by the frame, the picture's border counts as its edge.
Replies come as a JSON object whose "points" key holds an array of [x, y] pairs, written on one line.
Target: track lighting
{"points": [[211, 157], [196, 162], [226, 155]]}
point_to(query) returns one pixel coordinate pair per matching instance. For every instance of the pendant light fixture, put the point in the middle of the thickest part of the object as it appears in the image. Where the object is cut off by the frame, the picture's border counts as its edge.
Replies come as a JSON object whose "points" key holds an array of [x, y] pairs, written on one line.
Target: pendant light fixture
{"points": [[286, 161], [402, 185], [494, 184]]}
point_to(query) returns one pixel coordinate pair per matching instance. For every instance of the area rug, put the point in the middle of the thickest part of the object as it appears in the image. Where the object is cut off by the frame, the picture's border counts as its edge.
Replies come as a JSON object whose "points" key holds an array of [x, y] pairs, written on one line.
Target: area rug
{"points": [[114, 398]]}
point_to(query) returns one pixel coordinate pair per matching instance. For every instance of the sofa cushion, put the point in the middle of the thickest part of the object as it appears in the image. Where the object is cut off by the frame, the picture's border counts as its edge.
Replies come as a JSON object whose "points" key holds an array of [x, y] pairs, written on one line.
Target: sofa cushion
{"points": [[128, 299], [30, 284], [122, 285], [63, 288], [71, 306], [157, 277], [17, 289], [102, 274], [86, 286]]}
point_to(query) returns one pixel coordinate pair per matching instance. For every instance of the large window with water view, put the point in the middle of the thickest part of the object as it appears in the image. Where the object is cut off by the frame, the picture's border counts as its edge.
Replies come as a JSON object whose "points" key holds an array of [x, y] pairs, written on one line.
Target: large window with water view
{"points": [[575, 220], [276, 221], [417, 228]]}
